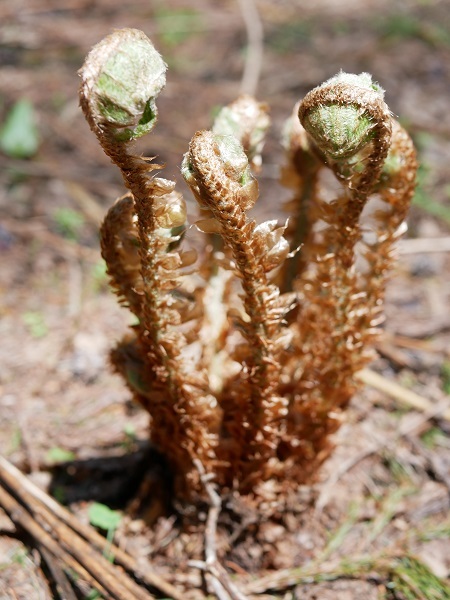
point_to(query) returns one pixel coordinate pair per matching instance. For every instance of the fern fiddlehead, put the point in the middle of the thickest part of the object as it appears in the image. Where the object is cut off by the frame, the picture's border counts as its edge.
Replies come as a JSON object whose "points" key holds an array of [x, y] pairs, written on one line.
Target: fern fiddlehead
{"points": [[120, 80]]}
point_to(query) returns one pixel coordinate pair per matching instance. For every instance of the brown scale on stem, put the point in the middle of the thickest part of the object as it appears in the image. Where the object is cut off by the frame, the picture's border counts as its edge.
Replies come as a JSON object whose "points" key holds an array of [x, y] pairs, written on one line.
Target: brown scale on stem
{"points": [[217, 170], [176, 395], [350, 126], [301, 174], [235, 389], [119, 245], [395, 189]]}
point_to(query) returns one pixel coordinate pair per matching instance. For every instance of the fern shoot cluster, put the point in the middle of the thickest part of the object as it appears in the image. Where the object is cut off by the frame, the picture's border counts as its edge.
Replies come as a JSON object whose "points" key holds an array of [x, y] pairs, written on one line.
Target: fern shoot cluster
{"points": [[244, 353]]}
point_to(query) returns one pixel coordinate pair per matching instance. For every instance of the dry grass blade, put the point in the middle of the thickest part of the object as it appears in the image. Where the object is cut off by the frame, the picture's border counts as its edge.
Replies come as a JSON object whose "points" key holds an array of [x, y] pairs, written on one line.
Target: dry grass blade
{"points": [[399, 393]]}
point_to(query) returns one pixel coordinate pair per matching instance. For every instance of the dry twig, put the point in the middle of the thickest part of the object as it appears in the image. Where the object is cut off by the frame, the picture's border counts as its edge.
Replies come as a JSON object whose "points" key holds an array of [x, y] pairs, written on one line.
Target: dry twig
{"points": [[255, 48], [57, 572], [220, 581], [20, 516], [77, 544]]}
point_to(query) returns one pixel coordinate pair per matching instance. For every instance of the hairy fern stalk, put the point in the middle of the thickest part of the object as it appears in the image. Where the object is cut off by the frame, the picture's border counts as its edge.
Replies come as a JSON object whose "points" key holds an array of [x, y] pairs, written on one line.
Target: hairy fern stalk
{"points": [[244, 354]]}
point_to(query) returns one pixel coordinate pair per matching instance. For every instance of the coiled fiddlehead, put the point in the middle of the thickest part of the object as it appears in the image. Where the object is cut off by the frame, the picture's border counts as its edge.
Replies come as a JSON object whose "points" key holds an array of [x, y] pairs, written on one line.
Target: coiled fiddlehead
{"points": [[349, 127], [120, 81]]}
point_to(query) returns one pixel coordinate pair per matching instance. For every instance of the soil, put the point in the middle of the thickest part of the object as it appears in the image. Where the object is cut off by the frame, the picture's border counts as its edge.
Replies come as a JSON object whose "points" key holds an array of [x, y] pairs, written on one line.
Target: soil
{"points": [[68, 422]]}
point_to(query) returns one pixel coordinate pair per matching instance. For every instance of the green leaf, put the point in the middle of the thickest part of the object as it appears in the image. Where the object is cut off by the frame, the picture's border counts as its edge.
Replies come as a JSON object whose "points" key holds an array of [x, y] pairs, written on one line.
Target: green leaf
{"points": [[445, 374], [35, 322], [19, 134], [423, 198], [103, 517], [59, 455], [69, 222], [177, 25]]}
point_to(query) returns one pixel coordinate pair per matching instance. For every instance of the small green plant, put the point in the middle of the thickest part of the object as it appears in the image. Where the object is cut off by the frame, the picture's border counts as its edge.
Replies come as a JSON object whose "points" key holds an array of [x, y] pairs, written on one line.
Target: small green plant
{"points": [[20, 556], [244, 352], [445, 375], [35, 323], [176, 26], [432, 437], [19, 136], [57, 455], [69, 222], [103, 517]]}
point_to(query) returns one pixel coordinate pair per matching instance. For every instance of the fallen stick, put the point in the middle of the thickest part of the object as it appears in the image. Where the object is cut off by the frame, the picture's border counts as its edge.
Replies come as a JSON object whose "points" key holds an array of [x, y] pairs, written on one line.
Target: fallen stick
{"points": [[21, 517], [56, 515], [60, 578]]}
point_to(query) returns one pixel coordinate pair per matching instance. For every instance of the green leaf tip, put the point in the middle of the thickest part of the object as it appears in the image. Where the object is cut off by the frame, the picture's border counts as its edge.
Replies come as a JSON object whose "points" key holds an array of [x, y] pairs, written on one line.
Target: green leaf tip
{"points": [[120, 80], [338, 120], [104, 517]]}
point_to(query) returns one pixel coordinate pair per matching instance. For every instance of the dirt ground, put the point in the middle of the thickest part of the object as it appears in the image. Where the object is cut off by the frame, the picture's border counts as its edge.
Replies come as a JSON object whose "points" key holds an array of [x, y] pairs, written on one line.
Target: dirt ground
{"points": [[67, 421]]}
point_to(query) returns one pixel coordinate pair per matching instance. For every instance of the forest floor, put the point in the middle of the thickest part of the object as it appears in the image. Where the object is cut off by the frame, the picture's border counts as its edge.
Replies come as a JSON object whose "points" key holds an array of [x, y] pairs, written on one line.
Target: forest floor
{"points": [[67, 421]]}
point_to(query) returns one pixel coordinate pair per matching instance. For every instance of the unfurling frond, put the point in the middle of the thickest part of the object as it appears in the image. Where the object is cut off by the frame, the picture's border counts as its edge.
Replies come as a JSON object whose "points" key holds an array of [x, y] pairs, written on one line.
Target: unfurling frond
{"points": [[246, 363], [246, 120], [119, 240], [120, 80], [349, 130], [216, 168]]}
